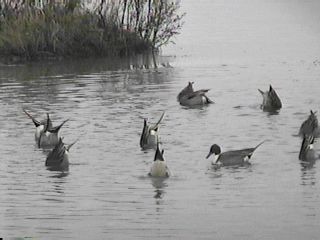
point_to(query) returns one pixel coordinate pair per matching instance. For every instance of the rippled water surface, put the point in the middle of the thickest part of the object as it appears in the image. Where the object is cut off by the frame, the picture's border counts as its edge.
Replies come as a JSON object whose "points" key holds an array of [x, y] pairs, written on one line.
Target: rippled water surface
{"points": [[233, 48]]}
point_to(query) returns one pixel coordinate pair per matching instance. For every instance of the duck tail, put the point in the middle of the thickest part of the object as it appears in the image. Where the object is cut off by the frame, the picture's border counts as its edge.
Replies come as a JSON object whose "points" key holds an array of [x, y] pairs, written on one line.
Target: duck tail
{"points": [[159, 121], [70, 145], [47, 124], [35, 122], [313, 112], [260, 91], [209, 101], [57, 128], [144, 133], [270, 88], [259, 144], [159, 154]]}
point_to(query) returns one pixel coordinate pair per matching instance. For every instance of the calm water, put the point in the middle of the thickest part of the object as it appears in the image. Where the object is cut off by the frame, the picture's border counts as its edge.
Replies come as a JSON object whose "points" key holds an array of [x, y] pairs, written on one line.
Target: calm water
{"points": [[233, 48]]}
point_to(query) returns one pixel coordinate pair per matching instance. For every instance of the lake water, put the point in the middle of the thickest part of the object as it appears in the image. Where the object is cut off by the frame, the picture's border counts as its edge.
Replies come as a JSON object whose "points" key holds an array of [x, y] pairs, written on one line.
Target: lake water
{"points": [[233, 48]]}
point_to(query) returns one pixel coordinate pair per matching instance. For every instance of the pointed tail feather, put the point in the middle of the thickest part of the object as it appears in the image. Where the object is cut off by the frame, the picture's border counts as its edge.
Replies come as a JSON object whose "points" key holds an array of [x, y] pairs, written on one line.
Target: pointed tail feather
{"points": [[261, 91], [47, 124], [159, 154], [259, 144], [35, 122], [270, 88], [57, 128], [70, 145], [159, 121]]}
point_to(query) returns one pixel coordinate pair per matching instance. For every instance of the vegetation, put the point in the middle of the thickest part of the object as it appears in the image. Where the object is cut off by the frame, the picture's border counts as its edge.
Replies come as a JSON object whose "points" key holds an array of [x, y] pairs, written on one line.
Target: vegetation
{"points": [[111, 28]]}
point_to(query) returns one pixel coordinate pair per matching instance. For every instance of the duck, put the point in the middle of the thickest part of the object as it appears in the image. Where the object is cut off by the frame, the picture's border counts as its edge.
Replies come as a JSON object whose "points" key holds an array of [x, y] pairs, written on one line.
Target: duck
{"points": [[230, 158], [159, 167], [40, 125], [149, 134], [58, 158], [307, 153], [49, 137], [310, 126], [189, 97], [271, 101]]}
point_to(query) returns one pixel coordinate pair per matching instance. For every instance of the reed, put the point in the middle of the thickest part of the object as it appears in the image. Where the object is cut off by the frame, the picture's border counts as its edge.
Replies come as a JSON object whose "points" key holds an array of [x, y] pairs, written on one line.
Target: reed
{"points": [[111, 28]]}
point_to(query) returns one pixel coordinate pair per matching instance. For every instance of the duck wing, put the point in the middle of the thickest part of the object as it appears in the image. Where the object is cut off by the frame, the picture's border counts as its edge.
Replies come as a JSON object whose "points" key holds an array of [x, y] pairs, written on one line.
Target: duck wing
{"points": [[201, 92], [56, 156], [274, 98], [237, 156]]}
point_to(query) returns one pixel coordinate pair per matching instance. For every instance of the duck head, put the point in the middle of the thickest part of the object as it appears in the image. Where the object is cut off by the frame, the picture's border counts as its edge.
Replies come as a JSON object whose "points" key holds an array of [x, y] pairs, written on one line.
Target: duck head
{"points": [[187, 90], [216, 150]]}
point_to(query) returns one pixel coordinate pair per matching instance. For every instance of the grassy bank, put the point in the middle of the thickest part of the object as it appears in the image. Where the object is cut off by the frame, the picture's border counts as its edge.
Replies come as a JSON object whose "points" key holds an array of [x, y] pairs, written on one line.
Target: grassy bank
{"points": [[115, 28]]}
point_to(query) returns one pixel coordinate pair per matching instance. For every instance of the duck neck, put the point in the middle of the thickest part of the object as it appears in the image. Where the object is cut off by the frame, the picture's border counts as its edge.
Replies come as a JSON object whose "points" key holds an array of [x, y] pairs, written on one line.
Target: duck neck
{"points": [[216, 158]]}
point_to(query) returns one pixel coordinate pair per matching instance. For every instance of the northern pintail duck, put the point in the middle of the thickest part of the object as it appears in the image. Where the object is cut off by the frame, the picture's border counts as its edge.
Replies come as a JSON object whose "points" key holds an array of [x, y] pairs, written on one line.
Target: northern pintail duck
{"points": [[159, 167], [149, 135], [310, 126], [49, 137], [307, 153], [58, 158], [189, 97], [46, 135], [235, 157], [271, 101], [40, 125]]}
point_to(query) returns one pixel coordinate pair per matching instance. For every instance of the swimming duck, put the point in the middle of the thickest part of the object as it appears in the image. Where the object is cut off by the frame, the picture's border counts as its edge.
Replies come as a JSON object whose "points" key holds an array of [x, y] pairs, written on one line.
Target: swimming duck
{"points": [[58, 158], [310, 126], [40, 125], [189, 97], [149, 135], [307, 153], [49, 137], [271, 101], [159, 167], [235, 157]]}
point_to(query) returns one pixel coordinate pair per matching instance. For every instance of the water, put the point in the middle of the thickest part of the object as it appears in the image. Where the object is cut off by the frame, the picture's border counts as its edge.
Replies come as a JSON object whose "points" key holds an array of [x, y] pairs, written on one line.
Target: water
{"points": [[231, 47]]}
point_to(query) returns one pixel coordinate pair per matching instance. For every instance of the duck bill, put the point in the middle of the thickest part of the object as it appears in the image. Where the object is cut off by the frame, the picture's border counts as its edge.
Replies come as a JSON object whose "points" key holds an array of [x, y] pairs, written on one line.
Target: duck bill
{"points": [[209, 154]]}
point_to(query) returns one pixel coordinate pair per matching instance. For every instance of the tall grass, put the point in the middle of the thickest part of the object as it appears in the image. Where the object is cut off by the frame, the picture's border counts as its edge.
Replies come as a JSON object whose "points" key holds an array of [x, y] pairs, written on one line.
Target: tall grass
{"points": [[113, 28]]}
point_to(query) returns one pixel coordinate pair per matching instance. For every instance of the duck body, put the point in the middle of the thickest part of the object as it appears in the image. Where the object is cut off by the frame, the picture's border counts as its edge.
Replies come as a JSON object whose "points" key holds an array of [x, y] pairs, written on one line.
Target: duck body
{"points": [[46, 135], [150, 134], [48, 139], [159, 167], [310, 126], [271, 100], [307, 152], [189, 97], [40, 125], [58, 158], [229, 158]]}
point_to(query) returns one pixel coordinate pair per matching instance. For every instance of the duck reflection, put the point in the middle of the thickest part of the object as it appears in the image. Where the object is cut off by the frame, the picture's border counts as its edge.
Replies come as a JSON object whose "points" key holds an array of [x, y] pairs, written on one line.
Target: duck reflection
{"points": [[58, 174], [308, 157], [159, 185], [308, 176], [149, 61]]}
